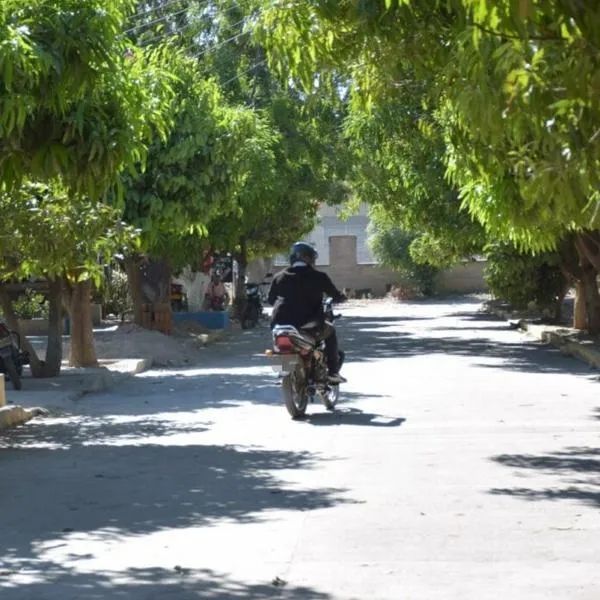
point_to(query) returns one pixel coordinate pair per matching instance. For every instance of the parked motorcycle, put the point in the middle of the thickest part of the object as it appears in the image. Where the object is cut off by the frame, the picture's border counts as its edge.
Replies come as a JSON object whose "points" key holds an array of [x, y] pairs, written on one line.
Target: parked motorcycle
{"points": [[253, 309], [178, 298], [12, 358], [300, 354]]}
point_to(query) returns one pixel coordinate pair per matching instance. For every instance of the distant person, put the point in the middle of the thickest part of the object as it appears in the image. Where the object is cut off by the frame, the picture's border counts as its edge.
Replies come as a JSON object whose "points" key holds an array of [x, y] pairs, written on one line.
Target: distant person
{"points": [[216, 296]]}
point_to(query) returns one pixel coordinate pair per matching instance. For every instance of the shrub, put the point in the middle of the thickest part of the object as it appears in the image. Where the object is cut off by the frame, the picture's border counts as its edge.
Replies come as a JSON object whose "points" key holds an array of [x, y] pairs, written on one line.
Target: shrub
{"points": [[115, 294], [31, 305], [392, 247], [520, 278]]}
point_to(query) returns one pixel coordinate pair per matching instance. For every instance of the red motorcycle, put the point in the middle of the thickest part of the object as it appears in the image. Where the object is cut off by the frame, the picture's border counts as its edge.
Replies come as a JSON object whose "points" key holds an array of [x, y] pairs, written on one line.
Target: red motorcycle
{"points": [[300, 353]]}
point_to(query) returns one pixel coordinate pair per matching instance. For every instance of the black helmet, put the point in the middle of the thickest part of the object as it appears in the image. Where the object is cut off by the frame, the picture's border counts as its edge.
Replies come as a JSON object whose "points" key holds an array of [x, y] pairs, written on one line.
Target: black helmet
{"points": [[304, 252]]}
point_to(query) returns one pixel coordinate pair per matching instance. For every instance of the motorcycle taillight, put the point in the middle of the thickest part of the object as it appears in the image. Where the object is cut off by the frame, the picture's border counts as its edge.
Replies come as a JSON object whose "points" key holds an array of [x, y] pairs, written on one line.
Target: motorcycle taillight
{"points": [[283, 343]]}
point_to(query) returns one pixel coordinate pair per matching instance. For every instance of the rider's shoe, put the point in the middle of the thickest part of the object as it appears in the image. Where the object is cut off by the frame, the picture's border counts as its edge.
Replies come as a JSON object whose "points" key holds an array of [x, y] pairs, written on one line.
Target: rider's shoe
{"points": [[336, 379]]}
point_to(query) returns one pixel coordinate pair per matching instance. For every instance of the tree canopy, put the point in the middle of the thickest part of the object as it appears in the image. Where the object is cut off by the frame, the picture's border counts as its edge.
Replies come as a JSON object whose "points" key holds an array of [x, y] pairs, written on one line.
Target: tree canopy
{"points": [[513, 84], [74, 103]]}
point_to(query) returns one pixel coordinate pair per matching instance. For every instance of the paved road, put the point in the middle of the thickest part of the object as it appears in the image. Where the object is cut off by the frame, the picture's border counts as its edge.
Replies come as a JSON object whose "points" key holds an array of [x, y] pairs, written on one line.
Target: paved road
{"points": [[464, 463]]}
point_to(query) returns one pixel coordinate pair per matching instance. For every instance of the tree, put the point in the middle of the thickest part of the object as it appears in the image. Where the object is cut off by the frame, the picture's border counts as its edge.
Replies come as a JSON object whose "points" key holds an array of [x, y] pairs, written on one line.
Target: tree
{"points": [[392, 247], [298, 159], [77, 110], [398, 152], [513, 85], [188, 176], [521, 278], [48, 232], [74, 106]]}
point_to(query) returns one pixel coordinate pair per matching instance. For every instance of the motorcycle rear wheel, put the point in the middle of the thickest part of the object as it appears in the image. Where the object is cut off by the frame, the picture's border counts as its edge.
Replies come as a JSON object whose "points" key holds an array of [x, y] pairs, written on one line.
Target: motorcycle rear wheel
{"points": [[295, 395]]}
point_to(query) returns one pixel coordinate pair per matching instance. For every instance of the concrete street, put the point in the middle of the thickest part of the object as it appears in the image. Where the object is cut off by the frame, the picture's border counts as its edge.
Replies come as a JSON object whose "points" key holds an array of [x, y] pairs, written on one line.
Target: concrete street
{"points": [[463, 463]]}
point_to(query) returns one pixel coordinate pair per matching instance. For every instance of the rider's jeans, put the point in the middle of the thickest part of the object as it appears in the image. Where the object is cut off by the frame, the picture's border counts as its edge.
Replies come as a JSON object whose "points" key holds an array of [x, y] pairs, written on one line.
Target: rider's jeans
{"points": [[331, 348]]}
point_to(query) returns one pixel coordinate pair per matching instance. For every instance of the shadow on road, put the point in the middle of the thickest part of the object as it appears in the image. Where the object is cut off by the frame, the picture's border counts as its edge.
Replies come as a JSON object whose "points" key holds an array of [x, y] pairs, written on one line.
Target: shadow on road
{"points": [[578, 468], [353, 416], [107, 479], [369, 339], [175, 583]]}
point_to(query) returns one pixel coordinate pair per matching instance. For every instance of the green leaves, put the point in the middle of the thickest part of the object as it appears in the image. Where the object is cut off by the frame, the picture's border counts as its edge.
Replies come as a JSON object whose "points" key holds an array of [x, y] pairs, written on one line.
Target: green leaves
{"points": [[521, 278], [513, 86], [48, 232], [73, 106]]}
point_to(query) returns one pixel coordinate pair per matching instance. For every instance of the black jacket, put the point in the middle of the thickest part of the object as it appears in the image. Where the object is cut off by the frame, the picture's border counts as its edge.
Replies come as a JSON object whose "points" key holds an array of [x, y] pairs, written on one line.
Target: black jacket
{"points": [[297, 296]]}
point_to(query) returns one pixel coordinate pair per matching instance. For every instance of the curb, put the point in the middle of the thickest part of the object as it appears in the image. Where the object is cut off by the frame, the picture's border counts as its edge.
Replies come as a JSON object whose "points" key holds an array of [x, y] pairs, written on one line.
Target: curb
{"points": [[103, 378], [583, 350]]}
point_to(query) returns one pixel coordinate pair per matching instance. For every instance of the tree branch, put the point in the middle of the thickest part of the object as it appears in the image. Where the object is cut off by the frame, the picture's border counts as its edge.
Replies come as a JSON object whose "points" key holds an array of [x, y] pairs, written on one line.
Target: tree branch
{"points": [[512, 36]]}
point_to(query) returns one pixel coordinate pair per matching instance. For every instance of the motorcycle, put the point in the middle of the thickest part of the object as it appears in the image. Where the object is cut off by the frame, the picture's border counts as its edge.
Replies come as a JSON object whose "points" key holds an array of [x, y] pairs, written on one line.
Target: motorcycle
{"points": [[303, 367], [178, 298], [253, 309], [12, 358]]}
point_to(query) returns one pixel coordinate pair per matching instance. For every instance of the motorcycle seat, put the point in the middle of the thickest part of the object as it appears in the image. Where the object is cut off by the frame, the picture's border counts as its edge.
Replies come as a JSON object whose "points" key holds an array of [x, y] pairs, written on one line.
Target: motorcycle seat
{"points": [[310, 325]]}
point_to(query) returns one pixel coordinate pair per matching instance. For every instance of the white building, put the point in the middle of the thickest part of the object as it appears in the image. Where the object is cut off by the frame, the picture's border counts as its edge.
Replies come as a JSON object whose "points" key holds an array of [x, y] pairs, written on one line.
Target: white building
{"points": [[331, 226]]}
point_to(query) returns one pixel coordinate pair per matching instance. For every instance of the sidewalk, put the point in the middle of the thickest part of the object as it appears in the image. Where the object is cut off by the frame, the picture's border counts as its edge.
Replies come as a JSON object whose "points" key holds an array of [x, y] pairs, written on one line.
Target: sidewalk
{"points": [[53, 395], [144, 349], [568, 340]]}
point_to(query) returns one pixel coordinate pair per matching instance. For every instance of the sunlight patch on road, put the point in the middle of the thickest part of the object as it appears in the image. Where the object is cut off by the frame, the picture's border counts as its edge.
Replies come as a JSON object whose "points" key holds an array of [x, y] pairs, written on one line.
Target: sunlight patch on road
{"points": [[225, 371]]}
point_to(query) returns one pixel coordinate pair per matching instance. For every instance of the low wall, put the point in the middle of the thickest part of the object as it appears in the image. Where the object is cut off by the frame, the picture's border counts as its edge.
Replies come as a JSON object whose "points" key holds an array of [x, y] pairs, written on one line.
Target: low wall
{"points": [[465, 278], [362, 277], [39, 327]]}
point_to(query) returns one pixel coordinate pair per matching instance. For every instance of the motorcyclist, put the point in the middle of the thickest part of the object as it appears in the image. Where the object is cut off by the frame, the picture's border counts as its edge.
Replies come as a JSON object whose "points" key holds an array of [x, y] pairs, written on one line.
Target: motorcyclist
{"points": [[296, 294]]}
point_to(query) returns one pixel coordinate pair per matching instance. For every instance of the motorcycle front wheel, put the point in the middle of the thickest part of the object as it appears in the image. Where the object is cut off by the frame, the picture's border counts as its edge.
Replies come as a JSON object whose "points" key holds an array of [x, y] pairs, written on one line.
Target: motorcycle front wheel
{"points": [[330, 396], [295, 394]]}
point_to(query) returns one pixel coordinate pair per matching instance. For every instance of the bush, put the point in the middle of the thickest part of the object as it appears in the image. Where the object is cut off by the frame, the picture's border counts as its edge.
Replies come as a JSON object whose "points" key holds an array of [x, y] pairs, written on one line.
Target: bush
{"points": [[520, 278], [115, 294], [31, 305], [392, 247]]}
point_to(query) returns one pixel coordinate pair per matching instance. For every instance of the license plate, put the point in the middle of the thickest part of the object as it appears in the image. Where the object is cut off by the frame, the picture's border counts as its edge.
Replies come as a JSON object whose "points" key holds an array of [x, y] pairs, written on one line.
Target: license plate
{"points": [[286, 363]]}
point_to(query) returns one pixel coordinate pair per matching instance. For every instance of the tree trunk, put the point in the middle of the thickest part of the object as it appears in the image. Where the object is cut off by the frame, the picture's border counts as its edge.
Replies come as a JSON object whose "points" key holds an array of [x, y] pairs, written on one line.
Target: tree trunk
{"points": [[79, 306], [54, 349], [160, 272], [134, 282], [579, 311], [588, 278], [589, 245], [592, 300]]}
